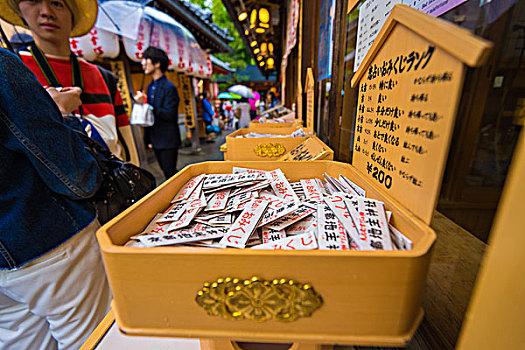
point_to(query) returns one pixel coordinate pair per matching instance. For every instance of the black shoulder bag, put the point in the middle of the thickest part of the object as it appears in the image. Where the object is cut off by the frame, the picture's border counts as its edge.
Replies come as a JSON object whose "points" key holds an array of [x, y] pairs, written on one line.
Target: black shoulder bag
{"points": [[124, 183]]}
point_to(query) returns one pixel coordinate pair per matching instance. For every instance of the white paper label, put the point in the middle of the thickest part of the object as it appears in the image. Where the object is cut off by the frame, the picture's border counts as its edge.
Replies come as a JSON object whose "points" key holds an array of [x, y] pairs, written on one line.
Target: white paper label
{"points": [[291, 218], [195, 233], [371, 223], [274, 214], [268, 235], [282, 187], [401, 241], [307, 224], [184, 221], [331, 233], [173, 213], [305, 241], [188, 188], [218, 200], [222, 220], [245, 224], [352, 185], [311, 190], [338, 207]]}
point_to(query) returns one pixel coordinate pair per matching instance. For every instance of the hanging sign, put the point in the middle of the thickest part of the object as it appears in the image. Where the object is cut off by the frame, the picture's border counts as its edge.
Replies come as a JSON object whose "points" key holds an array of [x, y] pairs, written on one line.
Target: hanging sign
{"points": [[409, 88], [117, 67], [310, 96], [188, 101], [372, 16]]}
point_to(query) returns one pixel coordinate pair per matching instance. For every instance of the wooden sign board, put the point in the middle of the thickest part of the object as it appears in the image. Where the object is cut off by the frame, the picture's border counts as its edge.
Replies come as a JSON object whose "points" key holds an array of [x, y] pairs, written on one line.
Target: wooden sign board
{"points": [[410, 84], [187, 100], [310, 96], [310, 149], [117, 67]]}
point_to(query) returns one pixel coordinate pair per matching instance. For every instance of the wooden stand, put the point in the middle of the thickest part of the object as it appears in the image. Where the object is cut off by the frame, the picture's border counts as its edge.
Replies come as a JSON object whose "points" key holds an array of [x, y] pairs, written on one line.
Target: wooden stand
{"points": [[224, 344]]}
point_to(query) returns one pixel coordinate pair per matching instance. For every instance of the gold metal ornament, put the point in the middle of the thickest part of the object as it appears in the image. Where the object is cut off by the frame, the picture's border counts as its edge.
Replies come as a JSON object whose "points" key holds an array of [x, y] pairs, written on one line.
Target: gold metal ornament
{"points": [[269, 150], [258, 300]]}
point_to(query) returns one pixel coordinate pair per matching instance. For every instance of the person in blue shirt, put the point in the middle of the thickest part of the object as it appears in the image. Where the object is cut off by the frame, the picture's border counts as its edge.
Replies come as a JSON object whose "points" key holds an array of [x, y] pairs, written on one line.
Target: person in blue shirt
{"points": [[207, 115], [162, 95], [53, 289]]}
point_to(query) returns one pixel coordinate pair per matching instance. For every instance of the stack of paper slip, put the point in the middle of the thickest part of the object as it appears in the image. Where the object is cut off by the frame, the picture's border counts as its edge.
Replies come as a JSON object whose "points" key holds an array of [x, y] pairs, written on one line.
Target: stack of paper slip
{"points": [[259, 209]]}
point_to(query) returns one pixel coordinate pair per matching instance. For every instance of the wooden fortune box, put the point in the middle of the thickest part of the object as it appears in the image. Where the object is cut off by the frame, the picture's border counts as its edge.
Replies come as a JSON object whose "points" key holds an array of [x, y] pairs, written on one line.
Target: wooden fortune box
{"points": [[331, 297], [271, 126], [260, 148]]}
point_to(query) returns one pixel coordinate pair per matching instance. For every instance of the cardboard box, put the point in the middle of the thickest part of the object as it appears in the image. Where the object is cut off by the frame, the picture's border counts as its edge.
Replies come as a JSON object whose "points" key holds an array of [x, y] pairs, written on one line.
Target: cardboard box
{"points": [[260, 148], [368, 297]]}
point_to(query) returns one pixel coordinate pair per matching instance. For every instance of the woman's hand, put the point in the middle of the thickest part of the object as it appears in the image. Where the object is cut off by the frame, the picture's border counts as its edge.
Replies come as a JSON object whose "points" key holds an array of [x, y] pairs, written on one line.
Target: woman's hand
{"points": [[67, 99]]}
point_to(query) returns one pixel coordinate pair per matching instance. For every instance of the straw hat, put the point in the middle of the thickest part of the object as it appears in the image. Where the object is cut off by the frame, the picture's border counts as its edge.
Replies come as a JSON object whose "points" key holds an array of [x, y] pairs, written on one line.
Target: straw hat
{"points": [[84, 14]]}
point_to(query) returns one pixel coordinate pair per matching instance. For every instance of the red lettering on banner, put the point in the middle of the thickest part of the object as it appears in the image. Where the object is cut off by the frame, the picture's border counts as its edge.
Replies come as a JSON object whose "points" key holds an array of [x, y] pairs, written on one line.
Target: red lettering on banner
{"points": [[362, 226]]}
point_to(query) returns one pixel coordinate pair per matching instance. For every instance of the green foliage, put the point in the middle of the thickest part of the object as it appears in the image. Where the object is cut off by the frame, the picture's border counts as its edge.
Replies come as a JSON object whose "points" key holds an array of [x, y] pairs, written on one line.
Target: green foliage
{"points": [[240, 57]]}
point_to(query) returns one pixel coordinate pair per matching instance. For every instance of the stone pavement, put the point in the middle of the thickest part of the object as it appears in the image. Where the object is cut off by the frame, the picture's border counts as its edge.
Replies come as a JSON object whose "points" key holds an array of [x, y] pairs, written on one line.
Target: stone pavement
{"points": [[209, 151]]}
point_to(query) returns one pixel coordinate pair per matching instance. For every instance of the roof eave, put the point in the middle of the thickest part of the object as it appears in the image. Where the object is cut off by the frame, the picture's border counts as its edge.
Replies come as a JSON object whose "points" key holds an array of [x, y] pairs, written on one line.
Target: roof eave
{"points": [[197, 23]]}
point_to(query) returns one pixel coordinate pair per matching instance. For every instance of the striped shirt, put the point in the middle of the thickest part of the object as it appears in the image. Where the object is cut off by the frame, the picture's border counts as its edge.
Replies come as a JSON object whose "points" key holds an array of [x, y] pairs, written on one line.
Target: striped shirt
{"points": [[95, 97]]}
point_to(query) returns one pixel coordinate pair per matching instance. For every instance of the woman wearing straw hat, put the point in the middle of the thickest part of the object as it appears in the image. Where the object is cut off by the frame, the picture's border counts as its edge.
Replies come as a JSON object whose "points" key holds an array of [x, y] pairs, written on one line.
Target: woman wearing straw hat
{"points": [[53, 289], [51, 23]]}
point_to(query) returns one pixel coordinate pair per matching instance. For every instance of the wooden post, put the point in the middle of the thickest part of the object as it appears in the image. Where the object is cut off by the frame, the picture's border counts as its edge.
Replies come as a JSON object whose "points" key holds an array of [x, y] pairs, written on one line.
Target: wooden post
{"points": [[310, 100], [334, 99], [299, 105], [496, 314]]}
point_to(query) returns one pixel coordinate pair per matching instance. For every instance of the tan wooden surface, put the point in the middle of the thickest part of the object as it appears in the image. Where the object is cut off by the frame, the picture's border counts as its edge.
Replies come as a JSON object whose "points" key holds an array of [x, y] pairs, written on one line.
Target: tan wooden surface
{"points": [[311, 149], [299, 107], [269, 127], [496, 315], [352, 5], [371, 297], [99, 332]]}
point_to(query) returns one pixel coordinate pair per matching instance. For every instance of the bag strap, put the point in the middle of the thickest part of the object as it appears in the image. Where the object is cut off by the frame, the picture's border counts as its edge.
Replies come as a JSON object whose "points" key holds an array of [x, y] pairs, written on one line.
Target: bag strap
{"points": [[111, 82], [49, 73], [96, 146]]}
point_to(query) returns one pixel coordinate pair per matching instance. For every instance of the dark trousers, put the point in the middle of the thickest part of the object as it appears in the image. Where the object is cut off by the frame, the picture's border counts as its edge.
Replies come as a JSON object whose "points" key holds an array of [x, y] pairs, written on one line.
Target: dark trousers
{"points": [[167, 159]]}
